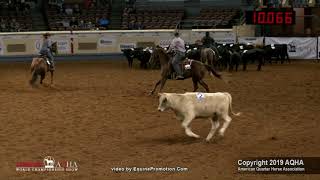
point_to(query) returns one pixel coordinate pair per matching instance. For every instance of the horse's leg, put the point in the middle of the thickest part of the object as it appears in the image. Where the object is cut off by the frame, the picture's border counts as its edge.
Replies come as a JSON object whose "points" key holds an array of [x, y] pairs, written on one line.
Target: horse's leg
{"points": [[155, 86], [51, 75], [163, 82], [195, 84], [203, 84], [43, 75]]}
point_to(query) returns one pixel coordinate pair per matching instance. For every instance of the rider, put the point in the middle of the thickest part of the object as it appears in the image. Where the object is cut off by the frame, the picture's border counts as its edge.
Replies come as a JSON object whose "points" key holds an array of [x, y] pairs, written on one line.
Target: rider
{"points": [[46, 49], [208, 42], [178, 46]]}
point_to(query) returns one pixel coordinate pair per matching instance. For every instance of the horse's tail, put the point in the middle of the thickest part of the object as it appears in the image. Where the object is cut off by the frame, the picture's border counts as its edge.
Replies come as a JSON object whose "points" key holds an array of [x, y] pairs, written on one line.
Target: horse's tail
{"points": [[211, 56], [35, 70], [34, 77], [33, 64], [212, 71]]}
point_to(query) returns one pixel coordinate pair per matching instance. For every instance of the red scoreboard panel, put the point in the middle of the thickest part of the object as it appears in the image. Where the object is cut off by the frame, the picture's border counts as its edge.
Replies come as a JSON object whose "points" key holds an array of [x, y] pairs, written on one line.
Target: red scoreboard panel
{"points": [[271, 16]]}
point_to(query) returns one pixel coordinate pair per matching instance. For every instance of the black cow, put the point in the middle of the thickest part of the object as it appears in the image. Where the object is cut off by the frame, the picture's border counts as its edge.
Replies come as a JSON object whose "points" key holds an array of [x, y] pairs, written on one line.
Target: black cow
{"points": [[240, 47], [193, 51], [235, 60], [143, 55], [278, 51], [231, 54], [253, 54]]}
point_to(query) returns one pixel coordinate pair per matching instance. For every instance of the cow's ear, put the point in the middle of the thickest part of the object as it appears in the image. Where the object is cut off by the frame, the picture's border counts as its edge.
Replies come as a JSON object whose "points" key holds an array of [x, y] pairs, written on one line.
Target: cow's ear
{"points": [[159, 94]]}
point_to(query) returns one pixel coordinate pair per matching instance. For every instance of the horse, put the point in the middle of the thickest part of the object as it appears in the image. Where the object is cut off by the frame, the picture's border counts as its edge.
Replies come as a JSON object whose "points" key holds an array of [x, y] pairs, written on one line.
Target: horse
{"points": [[197, 70], [208, 56], [205, 55], [39, 67]]}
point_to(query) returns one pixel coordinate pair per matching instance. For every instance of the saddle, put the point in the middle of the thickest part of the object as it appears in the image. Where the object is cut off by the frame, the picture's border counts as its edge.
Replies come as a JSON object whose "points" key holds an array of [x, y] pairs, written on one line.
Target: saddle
{"points": [[45, 57], [185, 67]]}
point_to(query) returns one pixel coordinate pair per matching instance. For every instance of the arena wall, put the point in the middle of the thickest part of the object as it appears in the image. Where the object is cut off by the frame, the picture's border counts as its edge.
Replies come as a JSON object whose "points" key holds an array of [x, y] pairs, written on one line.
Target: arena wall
{"points": [[101, 42]]}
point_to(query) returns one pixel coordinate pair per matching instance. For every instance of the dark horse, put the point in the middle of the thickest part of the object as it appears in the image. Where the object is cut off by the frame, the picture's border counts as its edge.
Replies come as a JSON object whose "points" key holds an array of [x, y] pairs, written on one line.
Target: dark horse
{"points": [[39, 66], [197, 70]]}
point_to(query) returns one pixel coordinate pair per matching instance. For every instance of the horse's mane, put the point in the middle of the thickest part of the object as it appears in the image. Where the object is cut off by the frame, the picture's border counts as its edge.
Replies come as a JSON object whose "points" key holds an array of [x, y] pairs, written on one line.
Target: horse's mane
{"points": [[161, 50]]}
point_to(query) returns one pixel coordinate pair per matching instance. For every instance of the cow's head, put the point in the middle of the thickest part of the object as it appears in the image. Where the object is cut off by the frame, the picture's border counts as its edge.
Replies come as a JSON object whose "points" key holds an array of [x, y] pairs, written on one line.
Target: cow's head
{"points": [[127, 52], [163, 102]]}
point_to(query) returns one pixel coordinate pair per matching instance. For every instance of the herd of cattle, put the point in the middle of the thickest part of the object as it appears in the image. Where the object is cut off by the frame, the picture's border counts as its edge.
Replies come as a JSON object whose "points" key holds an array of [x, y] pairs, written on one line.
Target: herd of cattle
{"points": [[227, 56]]}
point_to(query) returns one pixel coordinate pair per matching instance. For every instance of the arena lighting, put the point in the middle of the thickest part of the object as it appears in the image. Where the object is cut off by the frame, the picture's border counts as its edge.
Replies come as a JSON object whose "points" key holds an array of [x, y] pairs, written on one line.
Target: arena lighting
{"points": [[271, 16]]}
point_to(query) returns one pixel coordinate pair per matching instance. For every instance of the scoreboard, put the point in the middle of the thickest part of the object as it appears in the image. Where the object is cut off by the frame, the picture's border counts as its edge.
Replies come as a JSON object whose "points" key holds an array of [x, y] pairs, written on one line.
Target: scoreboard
{"points": [[271, 16]]}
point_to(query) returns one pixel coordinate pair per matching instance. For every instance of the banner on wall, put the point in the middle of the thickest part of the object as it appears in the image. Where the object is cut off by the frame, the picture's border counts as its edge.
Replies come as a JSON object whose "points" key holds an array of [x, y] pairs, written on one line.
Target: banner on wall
{"points": [[106, 41], [127, 45], [251, 40], [1, 46], [298, 47], [37, 45], [62, 44]]}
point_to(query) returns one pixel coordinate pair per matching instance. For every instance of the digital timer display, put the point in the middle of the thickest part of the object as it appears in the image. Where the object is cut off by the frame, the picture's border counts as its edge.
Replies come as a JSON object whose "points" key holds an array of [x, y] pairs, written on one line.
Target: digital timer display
{"points": [[271, 17]]}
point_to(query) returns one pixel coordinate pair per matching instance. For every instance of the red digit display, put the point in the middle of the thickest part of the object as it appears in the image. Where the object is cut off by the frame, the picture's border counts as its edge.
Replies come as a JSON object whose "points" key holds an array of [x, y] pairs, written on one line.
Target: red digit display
{"points": [[261, 17], [288, 17], [271, 16], [279, 18]]}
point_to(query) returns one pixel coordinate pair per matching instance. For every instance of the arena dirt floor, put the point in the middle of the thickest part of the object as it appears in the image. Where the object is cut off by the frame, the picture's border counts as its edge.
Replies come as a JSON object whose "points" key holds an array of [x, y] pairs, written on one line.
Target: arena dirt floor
{"points": [[99, 114]]}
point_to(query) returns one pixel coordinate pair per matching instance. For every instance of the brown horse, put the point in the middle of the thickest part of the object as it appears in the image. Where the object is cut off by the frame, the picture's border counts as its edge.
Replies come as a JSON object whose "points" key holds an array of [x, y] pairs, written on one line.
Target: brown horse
{"points": [[208, 56], [197, 70], [39, 67]]}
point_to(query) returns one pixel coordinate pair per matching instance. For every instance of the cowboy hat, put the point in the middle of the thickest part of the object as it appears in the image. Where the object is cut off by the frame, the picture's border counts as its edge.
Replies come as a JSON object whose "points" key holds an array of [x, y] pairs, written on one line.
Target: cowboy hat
{"points": [[47, 34]]}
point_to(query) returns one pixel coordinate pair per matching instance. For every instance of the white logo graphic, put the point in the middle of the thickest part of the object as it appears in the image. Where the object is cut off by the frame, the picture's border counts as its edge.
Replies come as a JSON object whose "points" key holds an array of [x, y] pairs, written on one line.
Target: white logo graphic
{"points": [[187, 66], [48, 162], [200, 96], [292, 47]]}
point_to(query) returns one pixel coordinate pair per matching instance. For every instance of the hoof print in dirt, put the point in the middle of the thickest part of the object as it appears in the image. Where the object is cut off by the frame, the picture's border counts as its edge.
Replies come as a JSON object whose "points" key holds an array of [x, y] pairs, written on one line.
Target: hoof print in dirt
{"points": [[274, 138]]}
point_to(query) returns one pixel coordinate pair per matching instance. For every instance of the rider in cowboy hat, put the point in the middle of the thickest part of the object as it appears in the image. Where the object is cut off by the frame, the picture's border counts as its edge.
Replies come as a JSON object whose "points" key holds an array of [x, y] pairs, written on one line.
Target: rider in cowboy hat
{"points": [[208, 42], [177, 45], [46, 49]]}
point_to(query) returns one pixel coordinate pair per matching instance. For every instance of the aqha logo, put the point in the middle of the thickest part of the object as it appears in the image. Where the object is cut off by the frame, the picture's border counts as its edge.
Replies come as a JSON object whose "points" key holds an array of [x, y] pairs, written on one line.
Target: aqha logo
{"points": [[48, 164], [294, 162]]}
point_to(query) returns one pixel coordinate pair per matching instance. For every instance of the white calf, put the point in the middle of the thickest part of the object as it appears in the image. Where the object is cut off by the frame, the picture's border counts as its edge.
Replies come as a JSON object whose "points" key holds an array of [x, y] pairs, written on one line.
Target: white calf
{"points": [[189, 106]]}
